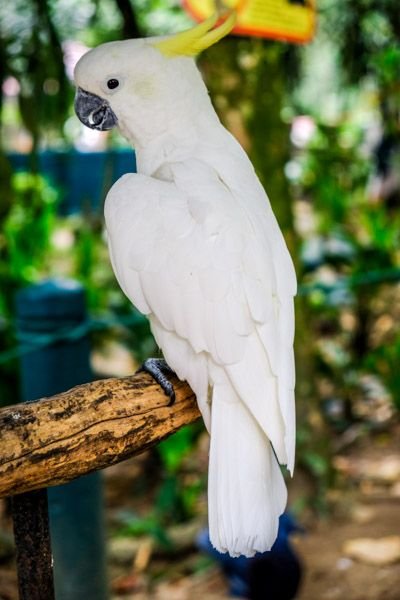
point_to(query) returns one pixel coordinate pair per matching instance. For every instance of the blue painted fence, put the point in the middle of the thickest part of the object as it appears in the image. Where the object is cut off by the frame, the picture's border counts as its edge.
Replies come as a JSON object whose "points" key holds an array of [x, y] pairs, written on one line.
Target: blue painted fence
{"points": [[83, 177]]}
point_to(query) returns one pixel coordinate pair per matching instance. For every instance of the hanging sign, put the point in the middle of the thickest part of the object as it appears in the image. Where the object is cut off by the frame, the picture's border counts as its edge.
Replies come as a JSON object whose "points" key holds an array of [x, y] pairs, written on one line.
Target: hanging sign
{"points": [[287, 20]]}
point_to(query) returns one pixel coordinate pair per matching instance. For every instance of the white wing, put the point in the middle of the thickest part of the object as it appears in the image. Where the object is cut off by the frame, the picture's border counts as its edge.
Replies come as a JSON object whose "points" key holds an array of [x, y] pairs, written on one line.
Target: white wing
{"points": [[214, 275]]}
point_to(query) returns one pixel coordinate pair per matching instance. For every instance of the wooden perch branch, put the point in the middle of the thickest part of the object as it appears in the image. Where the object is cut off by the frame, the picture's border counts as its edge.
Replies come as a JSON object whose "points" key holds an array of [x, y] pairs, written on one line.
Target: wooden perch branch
{"points": [[92, 426]]}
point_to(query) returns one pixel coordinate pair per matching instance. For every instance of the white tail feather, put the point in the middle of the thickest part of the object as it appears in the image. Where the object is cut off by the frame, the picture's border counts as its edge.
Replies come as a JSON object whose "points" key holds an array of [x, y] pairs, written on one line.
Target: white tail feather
{"points": [[246, 490]]}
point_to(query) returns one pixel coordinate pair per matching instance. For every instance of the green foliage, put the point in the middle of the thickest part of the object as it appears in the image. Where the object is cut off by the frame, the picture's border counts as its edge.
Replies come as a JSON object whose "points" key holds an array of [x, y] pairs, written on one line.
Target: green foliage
{"points": [[356, 236], [149, 525], [177, 496], [28, 226], [386, 65], [332, 170], [361, 30], [158, 17], [384, 360], [174, 449], [32, 53], [177, 491]]}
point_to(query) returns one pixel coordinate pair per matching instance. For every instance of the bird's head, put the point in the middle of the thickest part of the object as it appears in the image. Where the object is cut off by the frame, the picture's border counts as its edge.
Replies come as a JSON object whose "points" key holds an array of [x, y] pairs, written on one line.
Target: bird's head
{"points": [[137, 81]]}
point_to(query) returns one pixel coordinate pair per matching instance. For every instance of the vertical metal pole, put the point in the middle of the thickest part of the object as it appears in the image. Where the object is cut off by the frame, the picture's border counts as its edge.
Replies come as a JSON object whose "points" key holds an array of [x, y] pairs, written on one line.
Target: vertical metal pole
{"points": [[76, 515], [32, 540]]}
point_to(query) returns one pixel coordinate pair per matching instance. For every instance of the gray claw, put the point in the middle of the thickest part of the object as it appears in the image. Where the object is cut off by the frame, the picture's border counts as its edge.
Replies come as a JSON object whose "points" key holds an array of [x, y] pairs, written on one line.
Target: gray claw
{"points": [[158, 369]]}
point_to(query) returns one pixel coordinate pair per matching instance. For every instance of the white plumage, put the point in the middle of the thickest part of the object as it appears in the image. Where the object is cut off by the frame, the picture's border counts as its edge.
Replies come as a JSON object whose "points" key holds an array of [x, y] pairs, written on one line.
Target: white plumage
{"points": [[195, 246]]}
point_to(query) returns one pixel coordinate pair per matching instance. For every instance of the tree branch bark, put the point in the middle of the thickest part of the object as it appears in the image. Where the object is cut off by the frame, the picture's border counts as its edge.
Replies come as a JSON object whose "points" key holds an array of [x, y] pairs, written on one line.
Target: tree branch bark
{"points": [[90, 427]]}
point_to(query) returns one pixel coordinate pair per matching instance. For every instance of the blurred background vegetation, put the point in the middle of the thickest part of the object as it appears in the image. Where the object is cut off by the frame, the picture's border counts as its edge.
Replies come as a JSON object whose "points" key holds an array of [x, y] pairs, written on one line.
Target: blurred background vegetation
{"points": [[321, 124]]}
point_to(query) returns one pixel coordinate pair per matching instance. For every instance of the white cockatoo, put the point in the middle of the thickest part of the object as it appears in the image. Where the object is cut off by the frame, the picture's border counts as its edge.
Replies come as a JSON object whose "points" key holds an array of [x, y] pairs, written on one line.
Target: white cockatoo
{"points": [[196, 247]]}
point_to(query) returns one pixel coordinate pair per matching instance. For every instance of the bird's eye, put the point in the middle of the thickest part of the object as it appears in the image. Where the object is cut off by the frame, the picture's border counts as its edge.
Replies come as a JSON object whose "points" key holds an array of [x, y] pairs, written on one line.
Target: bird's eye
{"points": [[112, 84]]}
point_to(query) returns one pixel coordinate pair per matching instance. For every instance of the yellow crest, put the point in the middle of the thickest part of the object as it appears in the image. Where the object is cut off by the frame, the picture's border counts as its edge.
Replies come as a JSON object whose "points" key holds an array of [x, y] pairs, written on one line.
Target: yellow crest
{"points": [[198, 38]]}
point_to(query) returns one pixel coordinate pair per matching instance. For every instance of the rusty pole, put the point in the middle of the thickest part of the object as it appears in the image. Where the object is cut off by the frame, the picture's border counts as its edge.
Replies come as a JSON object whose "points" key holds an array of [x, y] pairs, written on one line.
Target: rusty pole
{"points": [[32, 540]]}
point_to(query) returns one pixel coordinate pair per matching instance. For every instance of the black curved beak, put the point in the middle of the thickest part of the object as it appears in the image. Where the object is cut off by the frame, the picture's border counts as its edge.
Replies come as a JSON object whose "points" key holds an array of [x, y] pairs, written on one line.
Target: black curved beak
{"points": [[93, 111]]}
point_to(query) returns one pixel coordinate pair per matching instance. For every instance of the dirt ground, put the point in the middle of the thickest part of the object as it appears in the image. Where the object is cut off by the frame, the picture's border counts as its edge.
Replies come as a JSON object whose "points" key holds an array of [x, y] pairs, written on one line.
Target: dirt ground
{"points": [[330, 574], [365, 504]]}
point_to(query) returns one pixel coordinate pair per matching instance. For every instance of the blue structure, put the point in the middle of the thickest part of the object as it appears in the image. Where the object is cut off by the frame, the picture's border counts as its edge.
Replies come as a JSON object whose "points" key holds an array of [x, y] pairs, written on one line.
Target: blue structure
{"points": [[54, 308], [83, 177]]}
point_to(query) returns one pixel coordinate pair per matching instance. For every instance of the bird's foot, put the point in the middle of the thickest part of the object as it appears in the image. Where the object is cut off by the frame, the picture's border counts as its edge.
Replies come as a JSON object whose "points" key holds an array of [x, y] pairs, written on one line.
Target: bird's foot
{"points": [[159, 370]]}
